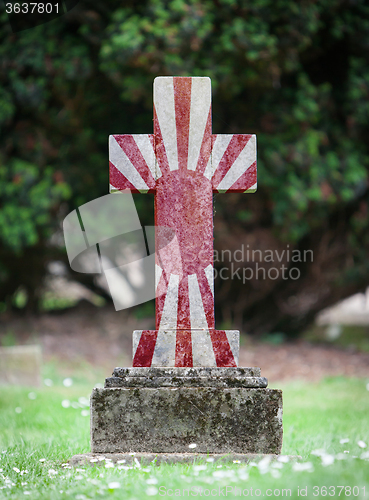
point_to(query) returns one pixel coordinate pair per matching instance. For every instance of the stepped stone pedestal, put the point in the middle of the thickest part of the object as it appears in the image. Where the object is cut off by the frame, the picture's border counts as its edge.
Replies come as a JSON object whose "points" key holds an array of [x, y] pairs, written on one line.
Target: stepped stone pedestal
{"points": [[164, 410]]}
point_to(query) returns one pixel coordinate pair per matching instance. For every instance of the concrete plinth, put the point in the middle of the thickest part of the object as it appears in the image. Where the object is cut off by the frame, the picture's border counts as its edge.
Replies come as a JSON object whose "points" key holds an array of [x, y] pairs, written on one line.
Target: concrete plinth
{"points": [[166, 410]]}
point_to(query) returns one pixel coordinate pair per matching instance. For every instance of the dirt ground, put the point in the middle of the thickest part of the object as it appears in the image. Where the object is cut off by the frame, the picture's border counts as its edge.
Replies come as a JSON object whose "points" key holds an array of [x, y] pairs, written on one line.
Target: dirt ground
{"points": [[102, 337]]}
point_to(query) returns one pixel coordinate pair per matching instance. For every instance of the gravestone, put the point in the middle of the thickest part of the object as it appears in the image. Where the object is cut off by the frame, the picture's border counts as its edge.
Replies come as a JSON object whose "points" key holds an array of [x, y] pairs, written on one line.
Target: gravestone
{"points": [[20, 365], [185, 386]]}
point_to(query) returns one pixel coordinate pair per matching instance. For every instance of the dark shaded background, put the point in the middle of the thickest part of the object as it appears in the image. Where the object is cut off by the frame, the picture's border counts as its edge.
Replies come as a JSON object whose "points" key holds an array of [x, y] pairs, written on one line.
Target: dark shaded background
{"points": [[294, 73]]}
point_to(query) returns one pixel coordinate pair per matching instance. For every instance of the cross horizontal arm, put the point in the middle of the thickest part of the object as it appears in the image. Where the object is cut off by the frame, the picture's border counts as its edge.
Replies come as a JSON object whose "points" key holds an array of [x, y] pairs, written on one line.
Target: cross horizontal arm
{"points": [[232, 166], [132, 163]]}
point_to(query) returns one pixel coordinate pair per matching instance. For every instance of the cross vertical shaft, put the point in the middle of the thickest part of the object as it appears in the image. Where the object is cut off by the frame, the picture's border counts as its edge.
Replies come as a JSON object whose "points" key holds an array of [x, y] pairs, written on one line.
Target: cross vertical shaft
{"points": [[183, 202]]}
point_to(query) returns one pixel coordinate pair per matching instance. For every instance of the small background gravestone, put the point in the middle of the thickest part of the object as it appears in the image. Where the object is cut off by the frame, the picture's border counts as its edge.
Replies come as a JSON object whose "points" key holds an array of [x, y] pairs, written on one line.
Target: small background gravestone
{"points": [[20, 365]]}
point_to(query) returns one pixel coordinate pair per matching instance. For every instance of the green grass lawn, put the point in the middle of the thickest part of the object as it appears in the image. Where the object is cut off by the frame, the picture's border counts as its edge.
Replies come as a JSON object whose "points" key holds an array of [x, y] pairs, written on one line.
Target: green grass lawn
{"points": [[38, 435]]}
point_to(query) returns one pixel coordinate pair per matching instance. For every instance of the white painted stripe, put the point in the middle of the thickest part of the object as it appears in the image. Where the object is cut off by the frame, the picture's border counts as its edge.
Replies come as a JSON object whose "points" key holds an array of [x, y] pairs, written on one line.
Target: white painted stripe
{"points": [[135, 341], [165, 110], [209, 273], [252, 189], [199, 112], [158, 173], [208, 172], [170, 310], [233, 337], [147, 150], [197, 313], [219, 148], [121, 161], [202, 348], [165, 348], [244, 160], [158, 273]]}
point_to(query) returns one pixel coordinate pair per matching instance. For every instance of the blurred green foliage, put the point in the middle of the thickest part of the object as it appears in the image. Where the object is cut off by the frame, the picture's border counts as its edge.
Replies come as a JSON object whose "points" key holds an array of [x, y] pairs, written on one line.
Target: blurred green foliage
{"points": [[28, 195], [295, 73]]}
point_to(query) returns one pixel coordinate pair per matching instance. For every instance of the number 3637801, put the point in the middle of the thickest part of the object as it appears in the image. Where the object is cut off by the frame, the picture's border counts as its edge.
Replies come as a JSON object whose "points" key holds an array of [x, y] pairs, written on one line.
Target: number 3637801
{"points": [[32, 8]]}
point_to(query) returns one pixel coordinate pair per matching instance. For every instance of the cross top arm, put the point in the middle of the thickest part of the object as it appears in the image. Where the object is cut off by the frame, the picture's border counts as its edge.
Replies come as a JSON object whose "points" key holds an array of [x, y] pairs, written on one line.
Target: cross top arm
{"points": [[182, 140]]}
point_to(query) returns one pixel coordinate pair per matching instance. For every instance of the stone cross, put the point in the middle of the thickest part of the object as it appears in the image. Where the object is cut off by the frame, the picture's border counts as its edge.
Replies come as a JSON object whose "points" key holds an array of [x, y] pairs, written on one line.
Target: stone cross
{"points": [[183, 163]]}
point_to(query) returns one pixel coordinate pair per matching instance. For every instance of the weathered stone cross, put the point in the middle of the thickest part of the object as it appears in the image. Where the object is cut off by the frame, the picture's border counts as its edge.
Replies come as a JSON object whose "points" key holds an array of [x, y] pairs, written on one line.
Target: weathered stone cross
{"points": [[183, 163]]}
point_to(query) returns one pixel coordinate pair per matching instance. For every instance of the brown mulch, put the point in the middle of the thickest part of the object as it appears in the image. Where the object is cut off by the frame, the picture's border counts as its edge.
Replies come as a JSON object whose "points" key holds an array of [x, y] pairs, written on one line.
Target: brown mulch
{"points": [[102, 337]]}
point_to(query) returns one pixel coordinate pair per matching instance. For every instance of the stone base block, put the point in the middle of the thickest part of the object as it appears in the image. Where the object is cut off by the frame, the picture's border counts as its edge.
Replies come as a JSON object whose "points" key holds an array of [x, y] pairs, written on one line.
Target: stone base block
{"points": [[169, 419]]}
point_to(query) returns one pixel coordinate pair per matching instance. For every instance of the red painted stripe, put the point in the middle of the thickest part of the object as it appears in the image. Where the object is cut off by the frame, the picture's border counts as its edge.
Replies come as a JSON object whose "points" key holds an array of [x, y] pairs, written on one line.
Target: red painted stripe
{"points": [[207, 298], [129, 146], [160, 153], [183, 348], [161, 293], [236, 145], [205, 150], [145, 349], [221, 348], [182, 106], [246, 180], [119, 181], [152, 140]]}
